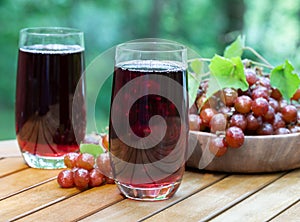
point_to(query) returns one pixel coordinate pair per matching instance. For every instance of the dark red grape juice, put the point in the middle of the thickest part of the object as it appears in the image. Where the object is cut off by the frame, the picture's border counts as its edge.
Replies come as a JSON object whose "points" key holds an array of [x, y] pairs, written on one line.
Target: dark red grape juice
{"points": [[135, 163], [46, 81]]}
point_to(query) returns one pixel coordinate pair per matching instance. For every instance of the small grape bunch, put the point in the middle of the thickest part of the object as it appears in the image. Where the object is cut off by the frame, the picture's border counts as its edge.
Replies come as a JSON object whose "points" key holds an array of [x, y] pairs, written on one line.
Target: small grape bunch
{"points": [[85, 171]]}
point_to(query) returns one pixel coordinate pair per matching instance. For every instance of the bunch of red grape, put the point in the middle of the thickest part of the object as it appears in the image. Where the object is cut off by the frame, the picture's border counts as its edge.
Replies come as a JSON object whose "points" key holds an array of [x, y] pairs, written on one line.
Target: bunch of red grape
{"points": [[232, 113], [84, 171]]}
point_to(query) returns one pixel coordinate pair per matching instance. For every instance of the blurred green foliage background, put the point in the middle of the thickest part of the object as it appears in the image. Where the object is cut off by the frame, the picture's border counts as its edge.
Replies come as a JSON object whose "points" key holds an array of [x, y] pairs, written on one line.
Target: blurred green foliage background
{"points": [[272, 27]]}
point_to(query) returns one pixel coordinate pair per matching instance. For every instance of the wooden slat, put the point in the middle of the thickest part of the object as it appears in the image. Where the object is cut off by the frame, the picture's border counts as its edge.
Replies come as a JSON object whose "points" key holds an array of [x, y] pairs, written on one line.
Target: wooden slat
{"points": [[291, 214], [129, 210], [79, 206], [215, 198], [273, 199], [34, 199], [23, 180], [11, 165], [9, 148]]}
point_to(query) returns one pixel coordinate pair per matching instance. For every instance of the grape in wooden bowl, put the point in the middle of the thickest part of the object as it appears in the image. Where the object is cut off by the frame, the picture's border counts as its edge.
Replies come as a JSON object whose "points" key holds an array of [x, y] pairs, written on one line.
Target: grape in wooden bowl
{"points": [[250, 131]]}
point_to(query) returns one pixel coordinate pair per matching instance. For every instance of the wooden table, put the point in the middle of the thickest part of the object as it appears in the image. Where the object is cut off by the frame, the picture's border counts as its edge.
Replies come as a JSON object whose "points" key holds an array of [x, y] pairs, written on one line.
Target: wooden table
{"points": [[28, 194]]}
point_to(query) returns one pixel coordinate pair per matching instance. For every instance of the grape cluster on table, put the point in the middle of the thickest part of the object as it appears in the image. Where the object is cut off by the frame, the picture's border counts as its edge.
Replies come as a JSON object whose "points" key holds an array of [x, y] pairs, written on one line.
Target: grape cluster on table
{"points": [[85, 171], [232, 113]]}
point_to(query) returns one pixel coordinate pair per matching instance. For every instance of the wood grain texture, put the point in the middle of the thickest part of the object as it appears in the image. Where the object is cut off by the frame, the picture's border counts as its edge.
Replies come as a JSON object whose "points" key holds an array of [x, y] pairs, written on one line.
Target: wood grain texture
{"points": [[23, 180], [79, 206], [130, 210], [273, 199], [31, 200], [215, 198], [11, 165], [291, 214]]}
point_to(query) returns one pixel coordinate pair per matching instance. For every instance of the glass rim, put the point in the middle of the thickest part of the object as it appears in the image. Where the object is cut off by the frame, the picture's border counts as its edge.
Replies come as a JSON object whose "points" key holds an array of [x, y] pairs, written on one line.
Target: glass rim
{"points": [[52, 31], [125, 47]]}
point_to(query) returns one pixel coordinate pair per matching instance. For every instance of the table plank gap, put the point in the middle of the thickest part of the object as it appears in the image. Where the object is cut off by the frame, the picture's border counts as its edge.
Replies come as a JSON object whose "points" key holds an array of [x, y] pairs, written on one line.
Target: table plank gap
{"points": [[239, 199], [32, 199], [291, 214], [8, 195], [130, 210], [76, 206], [273, 199], [11, 165], [288, 214], [202, 203], [24, 180], [183, 198]]}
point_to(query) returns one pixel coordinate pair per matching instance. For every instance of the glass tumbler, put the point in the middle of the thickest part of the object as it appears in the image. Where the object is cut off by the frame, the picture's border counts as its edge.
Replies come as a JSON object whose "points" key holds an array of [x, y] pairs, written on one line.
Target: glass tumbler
{"points": [[50, 67], [149, 119]]}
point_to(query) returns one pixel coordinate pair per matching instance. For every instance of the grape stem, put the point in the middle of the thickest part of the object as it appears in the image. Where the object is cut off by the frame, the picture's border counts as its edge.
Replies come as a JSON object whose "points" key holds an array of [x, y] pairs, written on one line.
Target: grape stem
{"points": [[267, 64], [200, 59], [260, 64]]}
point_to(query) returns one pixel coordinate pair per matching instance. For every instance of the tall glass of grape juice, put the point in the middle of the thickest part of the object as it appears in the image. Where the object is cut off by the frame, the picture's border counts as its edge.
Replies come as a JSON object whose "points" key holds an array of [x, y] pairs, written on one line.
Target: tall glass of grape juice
{"points": [[50, 67], [148, 120]]}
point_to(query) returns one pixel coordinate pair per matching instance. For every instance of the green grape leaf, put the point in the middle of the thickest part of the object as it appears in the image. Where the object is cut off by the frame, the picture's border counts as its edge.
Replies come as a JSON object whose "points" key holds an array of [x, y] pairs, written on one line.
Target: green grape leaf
{"points": [[90, 148], [285, 80], [226, 73], [194, 73], [196, 66], [236, 48]]}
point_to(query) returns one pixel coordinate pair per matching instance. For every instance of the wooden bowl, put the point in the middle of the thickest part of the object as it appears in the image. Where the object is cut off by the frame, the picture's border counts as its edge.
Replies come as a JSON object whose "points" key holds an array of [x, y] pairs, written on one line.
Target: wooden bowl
{"points": [[259, 154]]}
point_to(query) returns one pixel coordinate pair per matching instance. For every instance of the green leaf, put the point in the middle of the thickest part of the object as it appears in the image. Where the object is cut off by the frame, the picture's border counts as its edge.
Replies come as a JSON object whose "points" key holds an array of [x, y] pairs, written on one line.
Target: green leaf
{"points": [[236, 48], [196, 66], [226, 73], [285, 80], [194, 72], [90, 148]]}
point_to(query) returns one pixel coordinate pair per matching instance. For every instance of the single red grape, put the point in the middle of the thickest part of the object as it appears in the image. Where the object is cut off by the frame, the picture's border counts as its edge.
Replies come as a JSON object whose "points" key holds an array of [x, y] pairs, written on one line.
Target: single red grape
{"points": [[70, 159], [230, 95], [270, 115], [274, 103], [218, 123], [234, 137], [260, 106], [260, 91], [81, 178], [265, 129], [206, 115], [264, 81], [194, 122], [243, 104], [65, 178], [96, 178], [217, 147], [289, 113], [238, 120], [85, 161], [253, 122], [250, 76], [103, 164]]}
